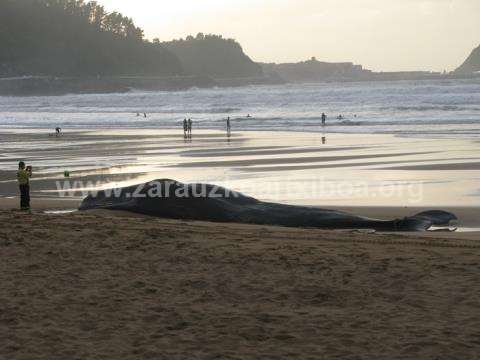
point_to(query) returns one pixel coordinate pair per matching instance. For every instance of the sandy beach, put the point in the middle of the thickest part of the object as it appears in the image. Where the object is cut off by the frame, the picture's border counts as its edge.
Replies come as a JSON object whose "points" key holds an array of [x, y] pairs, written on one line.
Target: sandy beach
{"points": [[113, 285], [239, 180]]}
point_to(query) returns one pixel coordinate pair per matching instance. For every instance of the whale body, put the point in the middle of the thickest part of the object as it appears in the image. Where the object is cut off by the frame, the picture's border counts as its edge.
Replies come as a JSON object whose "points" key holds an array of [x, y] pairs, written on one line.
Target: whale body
{"points": [[167, 198]]}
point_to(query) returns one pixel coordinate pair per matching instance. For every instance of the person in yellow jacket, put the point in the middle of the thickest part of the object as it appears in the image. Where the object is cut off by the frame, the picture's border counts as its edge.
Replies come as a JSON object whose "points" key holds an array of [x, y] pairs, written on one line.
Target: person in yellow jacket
{"points": [[23, 176]]}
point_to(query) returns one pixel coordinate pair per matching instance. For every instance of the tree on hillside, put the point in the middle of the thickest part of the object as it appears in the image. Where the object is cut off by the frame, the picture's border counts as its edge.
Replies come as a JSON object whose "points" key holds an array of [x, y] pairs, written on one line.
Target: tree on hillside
{"points": [[214, 56], [71, 37]]}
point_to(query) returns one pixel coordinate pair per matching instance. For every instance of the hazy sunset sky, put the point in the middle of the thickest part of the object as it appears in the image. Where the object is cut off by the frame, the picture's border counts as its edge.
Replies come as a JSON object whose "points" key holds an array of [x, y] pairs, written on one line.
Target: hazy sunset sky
{"points": [[379, 34]]}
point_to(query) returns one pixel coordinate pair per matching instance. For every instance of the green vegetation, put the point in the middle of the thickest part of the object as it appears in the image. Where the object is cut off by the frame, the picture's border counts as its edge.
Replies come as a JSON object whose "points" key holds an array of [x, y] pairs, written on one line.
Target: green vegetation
{"points": [[75, 38], [214, 56], [472, 64]]}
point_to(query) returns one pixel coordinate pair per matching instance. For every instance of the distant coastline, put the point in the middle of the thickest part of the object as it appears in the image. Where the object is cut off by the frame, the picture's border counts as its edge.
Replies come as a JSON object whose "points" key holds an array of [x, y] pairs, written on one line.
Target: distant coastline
{"points": [[56, 86], [102, 52], [52, 86], [314, 71]]}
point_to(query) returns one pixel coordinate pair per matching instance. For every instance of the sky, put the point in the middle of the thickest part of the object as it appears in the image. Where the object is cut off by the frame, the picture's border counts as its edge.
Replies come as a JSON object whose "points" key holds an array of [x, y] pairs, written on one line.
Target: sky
{"points": [[381, 35]]}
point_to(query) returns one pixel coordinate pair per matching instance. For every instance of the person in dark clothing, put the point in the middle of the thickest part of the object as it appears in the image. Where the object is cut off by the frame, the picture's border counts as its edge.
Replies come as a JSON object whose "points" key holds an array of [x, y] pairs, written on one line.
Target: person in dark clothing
{"points": [[23, 176], [190, 125], [324, 119], [185, 128], [229, 127]]}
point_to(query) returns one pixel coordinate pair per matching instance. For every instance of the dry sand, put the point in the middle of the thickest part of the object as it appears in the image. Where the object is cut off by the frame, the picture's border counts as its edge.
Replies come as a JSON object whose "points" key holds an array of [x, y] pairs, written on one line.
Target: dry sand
{"points": [[103, 285]]}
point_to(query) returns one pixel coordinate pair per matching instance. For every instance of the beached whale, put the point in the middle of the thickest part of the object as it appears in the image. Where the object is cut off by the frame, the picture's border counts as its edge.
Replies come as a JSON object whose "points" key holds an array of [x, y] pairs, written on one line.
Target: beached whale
{"points": [[171, 199]]}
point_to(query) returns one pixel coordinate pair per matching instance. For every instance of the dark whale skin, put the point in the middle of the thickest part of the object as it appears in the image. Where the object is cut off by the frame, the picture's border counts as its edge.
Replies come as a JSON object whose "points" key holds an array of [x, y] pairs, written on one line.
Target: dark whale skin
{"points": [[214, 205]]}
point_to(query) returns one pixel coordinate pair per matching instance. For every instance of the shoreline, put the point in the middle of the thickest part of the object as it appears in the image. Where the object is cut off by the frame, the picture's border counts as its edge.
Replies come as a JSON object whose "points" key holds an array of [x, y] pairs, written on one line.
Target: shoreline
{"points": [[57, 86]]}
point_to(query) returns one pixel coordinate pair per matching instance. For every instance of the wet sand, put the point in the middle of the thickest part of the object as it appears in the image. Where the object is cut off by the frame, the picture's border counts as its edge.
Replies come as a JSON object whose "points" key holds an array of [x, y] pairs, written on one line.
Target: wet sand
{"points": [[298, 168], [448, 167], [113, 286], [379, 176]]}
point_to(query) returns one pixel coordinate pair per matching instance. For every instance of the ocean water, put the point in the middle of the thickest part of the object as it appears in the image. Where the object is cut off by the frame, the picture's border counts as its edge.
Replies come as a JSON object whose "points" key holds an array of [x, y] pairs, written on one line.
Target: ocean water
{"points": [[439, 108]]}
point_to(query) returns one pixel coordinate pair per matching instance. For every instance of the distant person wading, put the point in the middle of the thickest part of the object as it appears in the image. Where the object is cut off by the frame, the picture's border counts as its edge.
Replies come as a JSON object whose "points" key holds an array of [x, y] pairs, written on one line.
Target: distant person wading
{"points": [[185, 128], [229, 127], [190, 125]]}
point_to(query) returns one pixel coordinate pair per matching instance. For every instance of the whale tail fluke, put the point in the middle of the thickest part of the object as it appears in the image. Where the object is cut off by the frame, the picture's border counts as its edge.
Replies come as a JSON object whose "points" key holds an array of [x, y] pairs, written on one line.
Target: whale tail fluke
{"points": [[427, 220], [437, 217]]}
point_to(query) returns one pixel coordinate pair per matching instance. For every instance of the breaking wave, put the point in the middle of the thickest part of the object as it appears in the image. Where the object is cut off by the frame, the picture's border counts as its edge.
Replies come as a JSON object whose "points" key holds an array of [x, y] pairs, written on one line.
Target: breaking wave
{"points": [[426, 107]]}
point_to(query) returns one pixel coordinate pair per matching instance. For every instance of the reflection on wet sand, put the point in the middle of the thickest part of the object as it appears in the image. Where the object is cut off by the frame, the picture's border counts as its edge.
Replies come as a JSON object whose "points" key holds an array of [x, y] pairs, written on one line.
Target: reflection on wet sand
{"points": [[301, 168]]}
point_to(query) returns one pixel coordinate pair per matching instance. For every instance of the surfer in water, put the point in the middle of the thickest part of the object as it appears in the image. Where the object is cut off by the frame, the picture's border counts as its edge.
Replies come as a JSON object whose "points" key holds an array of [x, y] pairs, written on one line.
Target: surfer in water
{"points": [[324, 119]]}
